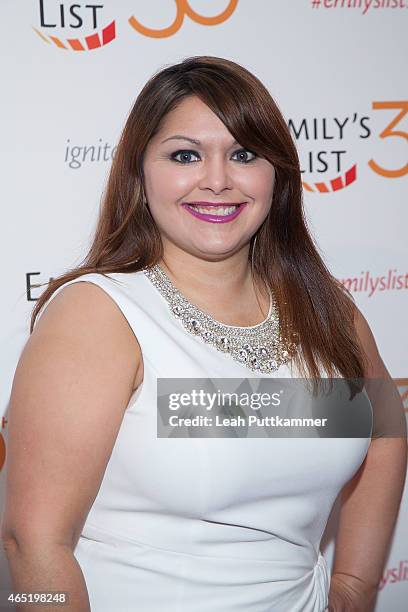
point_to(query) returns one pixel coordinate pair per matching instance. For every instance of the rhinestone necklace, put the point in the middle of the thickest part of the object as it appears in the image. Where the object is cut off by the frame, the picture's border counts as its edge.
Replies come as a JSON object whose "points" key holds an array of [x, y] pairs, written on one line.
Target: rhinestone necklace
{"points": [[259, 347]]}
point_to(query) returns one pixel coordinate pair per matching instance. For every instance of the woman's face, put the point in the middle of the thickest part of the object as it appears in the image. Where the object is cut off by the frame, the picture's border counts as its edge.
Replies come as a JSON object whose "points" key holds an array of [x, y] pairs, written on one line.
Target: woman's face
{"points": [[213, 169]]}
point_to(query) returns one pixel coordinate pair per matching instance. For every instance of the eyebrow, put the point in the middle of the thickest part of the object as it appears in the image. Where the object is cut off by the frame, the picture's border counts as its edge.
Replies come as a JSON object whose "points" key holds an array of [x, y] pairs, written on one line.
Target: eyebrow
{"points": [[193, 140]]}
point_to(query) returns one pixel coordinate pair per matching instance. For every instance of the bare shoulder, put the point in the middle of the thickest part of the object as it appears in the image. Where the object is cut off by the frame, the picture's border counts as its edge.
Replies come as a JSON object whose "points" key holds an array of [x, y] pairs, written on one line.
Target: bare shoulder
{"points": [[83, 312], [375, 365], [388, 410], [69, 393]]}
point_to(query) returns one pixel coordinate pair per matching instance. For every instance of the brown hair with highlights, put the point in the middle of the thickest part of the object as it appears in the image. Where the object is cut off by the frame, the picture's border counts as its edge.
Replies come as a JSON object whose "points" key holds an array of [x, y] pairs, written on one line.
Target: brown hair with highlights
{"points": [[313, 306]]}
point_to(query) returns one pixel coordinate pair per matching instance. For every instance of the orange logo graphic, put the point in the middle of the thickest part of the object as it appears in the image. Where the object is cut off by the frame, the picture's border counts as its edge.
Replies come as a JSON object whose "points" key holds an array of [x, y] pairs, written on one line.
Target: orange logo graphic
{"points": [[183, 9], [388, 131], [350, 175], [74, 16], [99, 39], [337, 183]]}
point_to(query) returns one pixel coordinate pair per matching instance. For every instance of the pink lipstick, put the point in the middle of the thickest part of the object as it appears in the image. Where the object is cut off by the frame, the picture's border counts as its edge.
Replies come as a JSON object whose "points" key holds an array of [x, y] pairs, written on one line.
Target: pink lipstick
{"points": [[214, 218]]}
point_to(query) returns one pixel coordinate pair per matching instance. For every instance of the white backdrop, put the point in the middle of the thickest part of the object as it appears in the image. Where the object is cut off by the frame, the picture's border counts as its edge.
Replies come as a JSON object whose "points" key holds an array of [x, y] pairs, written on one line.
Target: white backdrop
{"points": [[337, 70]]}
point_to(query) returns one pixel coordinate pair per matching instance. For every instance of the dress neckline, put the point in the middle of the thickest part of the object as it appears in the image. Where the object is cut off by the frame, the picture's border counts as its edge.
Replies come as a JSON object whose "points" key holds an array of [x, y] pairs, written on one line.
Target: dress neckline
{"points": [[259, 347], [167, 280]]}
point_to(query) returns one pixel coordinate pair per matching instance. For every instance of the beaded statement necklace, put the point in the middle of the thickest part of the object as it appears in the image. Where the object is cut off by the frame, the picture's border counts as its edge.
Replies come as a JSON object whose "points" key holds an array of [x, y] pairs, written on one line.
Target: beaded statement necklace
{"points": [[259, 347]]}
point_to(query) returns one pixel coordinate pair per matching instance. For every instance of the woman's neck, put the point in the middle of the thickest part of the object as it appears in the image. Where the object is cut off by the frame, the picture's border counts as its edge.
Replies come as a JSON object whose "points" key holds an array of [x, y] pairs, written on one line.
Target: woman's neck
{"points": [[227, 289]]}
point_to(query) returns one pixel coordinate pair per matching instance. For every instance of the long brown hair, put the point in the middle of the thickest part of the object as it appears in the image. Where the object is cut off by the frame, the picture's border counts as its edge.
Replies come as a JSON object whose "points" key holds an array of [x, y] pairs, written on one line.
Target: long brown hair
{"points": [[313, 306]]}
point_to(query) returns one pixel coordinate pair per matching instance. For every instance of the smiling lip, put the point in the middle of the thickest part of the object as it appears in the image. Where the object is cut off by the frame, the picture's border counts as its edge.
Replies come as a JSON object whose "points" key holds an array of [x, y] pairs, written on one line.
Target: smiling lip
{"points": [[214, 218], [215, 203]]}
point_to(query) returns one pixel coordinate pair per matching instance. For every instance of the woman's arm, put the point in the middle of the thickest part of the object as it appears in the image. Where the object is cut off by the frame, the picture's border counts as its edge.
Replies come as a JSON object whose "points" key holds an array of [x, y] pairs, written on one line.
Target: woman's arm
{"points": [[371, 499], [71, 386]]}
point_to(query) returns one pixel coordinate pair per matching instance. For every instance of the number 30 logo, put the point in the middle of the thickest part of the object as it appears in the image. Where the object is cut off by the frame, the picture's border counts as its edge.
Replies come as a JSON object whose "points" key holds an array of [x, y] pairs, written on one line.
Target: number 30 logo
{"points": [[183, 9], [389, 131]]}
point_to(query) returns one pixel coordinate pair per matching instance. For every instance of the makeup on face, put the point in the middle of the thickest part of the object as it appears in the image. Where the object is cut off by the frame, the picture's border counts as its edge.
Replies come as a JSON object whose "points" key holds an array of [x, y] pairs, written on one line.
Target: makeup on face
{"points": [[215, 212], [196, 174]]}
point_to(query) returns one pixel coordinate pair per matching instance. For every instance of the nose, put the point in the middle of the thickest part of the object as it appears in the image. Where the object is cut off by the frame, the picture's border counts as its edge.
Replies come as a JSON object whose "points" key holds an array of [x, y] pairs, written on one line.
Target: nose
{"points": [[215, 175]]}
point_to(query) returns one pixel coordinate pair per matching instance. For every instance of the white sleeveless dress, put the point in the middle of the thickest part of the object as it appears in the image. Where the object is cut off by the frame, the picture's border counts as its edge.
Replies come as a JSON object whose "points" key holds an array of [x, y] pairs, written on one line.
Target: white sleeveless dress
{"points": [[205, 524]]}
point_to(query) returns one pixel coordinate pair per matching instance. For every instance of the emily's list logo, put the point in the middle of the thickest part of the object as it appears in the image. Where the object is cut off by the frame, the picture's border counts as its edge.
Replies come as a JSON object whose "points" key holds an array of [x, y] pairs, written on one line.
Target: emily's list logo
{"points": [[329, 147], [84, 27], [74, 26]]}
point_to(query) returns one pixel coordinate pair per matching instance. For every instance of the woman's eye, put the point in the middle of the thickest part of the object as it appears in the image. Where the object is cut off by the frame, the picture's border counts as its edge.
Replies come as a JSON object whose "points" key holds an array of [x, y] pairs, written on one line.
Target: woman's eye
{"points": [[243, 152], [183, 156]]}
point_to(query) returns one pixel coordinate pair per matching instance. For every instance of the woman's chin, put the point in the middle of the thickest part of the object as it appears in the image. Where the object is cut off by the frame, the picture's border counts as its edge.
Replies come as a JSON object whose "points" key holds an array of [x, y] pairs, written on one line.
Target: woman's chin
{"points": [[216, 252]]}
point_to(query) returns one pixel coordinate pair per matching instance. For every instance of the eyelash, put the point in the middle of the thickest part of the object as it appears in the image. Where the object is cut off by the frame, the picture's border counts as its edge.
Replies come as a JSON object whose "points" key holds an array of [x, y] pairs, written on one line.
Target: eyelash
{"points": [[174, 155]]}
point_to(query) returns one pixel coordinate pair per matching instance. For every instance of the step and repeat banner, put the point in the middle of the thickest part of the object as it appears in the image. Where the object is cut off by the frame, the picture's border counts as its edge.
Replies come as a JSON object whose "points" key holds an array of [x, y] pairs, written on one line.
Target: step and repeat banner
{"points": [[337, 70]]}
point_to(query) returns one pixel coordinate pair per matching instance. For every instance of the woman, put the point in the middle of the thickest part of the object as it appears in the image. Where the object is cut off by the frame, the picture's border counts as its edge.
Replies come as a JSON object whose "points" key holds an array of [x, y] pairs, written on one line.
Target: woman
{"points": [[200, 251]]}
